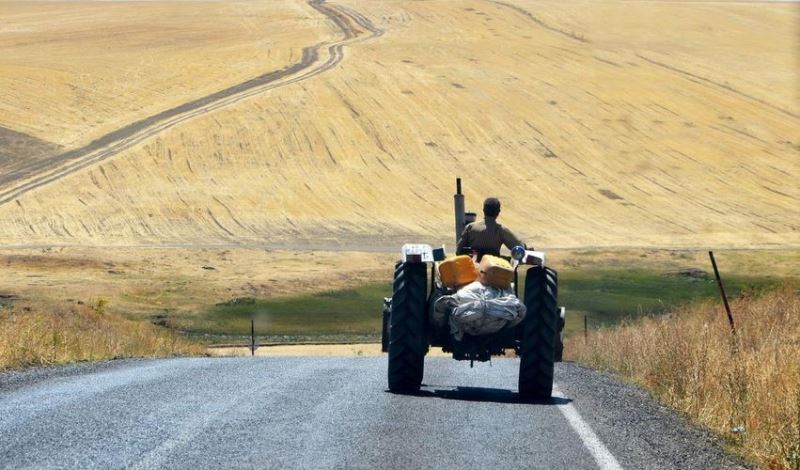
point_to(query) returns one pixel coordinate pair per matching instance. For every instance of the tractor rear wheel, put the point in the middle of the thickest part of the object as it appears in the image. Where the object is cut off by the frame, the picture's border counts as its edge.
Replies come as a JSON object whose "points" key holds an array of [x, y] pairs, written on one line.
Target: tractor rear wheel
{"points": [[539, 331], [407, 339]]}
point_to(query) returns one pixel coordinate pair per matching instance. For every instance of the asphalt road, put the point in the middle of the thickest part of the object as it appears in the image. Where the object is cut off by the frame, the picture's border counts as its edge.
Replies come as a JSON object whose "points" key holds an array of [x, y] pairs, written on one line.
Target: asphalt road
{"points": [[311, 412]]}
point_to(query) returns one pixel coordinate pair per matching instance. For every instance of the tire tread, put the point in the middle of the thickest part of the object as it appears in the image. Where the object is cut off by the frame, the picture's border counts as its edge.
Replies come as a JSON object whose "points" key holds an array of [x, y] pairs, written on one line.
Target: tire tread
{"points": [[540, 330], [407, 341]]}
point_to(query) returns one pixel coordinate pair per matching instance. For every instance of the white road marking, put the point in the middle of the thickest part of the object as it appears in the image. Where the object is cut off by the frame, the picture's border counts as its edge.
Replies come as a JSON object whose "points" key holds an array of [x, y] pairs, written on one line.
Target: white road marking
{"points": [[605, 460]]}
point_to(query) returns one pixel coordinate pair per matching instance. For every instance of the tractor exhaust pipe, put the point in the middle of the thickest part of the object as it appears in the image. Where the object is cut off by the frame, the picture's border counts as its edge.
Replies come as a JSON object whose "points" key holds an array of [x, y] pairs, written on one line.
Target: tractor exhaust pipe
{"points": [[459, 208]]}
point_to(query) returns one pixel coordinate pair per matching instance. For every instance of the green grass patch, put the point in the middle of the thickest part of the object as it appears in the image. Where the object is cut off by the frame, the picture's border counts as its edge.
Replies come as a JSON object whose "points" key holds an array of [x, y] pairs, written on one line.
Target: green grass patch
{"points": [[335, 315], [609, 296], [605, 296]]}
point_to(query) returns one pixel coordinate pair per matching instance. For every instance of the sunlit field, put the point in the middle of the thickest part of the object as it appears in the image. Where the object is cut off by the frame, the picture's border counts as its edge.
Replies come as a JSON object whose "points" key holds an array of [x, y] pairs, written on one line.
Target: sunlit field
{"points": [[597, 124]]}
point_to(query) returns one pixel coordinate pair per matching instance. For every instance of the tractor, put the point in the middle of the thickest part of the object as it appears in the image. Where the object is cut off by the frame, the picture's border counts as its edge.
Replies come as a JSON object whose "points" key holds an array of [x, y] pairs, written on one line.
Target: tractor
{"points": [[408, 331]]}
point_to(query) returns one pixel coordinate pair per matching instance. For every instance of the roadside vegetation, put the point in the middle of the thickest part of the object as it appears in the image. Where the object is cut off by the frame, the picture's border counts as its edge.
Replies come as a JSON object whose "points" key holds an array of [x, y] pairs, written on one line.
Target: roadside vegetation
{"points": [[40, 335], [352, 314], [745, 387], [605, 296], [611, 296]]}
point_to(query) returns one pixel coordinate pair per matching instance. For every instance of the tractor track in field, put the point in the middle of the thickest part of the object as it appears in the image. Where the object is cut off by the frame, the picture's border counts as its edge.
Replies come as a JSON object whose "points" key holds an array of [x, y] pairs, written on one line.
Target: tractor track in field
{"points": [[569, 34], [353, 26], [722, 86]]}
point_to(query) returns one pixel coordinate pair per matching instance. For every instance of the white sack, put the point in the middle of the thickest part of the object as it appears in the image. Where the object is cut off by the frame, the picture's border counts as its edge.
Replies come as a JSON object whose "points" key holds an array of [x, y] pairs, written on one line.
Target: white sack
{"points": [[479, 310]]}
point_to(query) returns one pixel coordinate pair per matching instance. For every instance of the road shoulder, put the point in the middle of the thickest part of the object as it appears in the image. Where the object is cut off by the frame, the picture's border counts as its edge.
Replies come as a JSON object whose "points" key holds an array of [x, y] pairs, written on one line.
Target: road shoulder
{"points": [[11, 381], [641, 432]]}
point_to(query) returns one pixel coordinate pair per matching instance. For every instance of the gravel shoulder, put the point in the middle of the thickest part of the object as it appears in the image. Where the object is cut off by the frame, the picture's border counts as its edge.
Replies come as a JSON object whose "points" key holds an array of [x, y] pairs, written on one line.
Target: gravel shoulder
{"points": [[636, 428]]}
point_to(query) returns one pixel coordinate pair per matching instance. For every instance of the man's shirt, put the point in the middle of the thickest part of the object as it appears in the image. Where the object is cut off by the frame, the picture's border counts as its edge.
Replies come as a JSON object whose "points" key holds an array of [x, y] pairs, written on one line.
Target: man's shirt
{"points": [[488, 236]]}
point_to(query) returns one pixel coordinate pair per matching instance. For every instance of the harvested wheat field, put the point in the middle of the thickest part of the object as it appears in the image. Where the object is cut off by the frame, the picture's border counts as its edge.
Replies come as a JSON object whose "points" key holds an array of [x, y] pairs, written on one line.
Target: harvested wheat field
{"points": [[74, 71], [342, 125]]}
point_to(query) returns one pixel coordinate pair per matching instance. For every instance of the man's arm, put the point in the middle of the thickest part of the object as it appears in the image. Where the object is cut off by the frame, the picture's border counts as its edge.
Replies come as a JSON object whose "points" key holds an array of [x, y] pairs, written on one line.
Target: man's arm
{"points": [[510, 240]]}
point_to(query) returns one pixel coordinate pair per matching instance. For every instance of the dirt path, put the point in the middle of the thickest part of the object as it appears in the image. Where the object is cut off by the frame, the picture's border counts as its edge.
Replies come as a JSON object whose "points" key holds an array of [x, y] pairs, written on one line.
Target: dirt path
{"points": [[353, 26]]}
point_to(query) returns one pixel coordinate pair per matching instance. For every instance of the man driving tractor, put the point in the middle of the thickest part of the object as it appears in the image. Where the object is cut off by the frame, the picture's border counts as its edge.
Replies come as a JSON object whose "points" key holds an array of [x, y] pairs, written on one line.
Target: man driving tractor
{"points": [[473, 312], [487, 236]]}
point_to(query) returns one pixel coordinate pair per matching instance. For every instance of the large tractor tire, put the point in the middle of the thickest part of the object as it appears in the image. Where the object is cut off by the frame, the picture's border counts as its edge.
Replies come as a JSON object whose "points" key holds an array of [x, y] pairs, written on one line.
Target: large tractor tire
{"points": [[407, 339], [539, 330]]}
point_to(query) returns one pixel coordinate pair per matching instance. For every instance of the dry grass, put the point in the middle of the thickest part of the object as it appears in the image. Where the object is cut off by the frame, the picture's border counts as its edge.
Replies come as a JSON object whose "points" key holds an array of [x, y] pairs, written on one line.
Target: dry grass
{"points": [[144, 281], [747, 389], [36, 335]]}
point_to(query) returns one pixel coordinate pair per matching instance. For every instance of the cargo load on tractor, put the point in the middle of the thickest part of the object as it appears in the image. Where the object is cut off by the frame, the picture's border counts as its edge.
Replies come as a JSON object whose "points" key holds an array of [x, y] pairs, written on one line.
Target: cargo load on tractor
{"points": [[469, 305]]}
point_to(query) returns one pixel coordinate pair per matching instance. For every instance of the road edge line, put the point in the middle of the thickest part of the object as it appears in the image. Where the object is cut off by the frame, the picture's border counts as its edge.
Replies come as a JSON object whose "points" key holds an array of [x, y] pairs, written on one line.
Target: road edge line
{"points": [[604, 458]]}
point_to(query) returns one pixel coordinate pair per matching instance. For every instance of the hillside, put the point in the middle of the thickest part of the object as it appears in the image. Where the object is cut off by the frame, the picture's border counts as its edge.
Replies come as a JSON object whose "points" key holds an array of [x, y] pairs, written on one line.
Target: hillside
{"points": [[671, 124]]}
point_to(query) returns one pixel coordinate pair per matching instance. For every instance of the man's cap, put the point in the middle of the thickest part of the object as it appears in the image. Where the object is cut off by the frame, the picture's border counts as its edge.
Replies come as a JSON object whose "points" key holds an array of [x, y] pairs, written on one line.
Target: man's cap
{"points": [[491, 206]]}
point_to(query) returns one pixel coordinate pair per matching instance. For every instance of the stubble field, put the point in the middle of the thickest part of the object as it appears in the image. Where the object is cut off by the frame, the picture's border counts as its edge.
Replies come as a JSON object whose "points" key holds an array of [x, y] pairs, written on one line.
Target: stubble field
{"points": [[613, 124], [182, 131]]}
